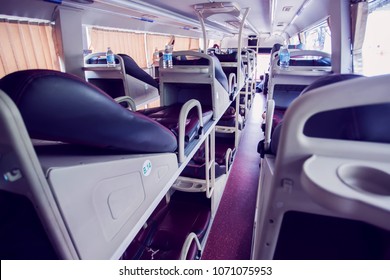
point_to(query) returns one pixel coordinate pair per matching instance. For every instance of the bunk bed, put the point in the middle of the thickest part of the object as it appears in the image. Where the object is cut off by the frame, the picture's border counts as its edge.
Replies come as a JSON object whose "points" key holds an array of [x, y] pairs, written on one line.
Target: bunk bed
{"points": [[199, 76], [93, 175], [94, 193], [284, 85], [330, 173]]}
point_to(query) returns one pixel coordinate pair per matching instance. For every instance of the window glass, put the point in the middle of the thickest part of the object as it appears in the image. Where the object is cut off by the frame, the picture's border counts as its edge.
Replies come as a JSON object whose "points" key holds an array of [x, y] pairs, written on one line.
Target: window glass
{"points": [[317, 38], [376, 46], [294, 40]]}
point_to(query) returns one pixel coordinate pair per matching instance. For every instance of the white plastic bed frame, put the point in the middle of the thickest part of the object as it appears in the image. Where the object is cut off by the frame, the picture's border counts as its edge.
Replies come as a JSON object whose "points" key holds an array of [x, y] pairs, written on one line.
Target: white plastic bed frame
{"points": [[91, 206], [322, 176], [140, 92], [293, 75]]}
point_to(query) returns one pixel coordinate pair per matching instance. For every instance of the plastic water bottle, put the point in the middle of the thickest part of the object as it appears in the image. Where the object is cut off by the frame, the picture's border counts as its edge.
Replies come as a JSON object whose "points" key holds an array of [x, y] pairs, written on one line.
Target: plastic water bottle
{"points": [[167, 57], [110, 57], [284, 57], [156, 56]]}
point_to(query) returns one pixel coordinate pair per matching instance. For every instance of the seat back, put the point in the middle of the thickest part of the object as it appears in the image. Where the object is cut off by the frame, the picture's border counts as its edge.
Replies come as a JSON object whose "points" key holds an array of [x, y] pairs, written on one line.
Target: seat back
{"points": [[57, 106], [360, 137], [125, 79], [318, 127], [229, 65], [137, 72]]}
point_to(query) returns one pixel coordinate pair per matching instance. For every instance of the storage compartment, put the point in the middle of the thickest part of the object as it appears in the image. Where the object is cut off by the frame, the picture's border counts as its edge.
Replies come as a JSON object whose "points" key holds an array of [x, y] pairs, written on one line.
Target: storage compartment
{"points": [[309, 236]]}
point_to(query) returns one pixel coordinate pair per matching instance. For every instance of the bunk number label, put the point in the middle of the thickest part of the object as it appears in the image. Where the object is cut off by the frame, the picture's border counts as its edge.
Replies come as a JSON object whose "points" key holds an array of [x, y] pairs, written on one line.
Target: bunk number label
{"points": [[147, 168]]}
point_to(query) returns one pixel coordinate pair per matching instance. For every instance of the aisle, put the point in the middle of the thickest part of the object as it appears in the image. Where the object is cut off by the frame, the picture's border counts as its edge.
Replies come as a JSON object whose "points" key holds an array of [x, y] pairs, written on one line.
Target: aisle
{"points": [[231, 234]]}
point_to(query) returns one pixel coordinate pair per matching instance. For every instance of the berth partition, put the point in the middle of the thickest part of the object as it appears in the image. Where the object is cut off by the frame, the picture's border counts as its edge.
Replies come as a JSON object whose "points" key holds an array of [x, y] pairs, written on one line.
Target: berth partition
{"points": [[101, 170], [125, 78], [332, 161], [199, 76]]}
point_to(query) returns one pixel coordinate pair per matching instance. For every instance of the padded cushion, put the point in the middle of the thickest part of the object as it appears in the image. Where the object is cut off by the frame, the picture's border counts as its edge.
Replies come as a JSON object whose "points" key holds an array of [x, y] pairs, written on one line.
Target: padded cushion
{"points": [[137, 72], [62, 107], [220, 74]]}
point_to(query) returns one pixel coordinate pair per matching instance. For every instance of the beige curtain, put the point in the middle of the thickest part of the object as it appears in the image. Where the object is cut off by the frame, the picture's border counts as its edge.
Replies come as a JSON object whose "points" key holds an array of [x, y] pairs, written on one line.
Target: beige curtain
{"points": [[182, 44], [155, 41], [26, 45], [129, 43], [159, 41], [194, 44], [137, 45]]}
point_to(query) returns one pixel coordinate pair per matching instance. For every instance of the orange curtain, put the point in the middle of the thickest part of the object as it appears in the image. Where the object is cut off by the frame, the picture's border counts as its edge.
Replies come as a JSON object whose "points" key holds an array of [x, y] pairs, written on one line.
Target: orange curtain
{"points": [[182, 44], [132, 44], [159, 41], [194, 44], [155, 41], [139, 46], [26, 45]]}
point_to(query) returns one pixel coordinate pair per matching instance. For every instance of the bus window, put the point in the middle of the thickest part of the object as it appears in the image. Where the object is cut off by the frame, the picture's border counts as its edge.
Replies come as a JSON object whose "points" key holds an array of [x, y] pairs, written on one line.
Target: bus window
{"points": [[376, 47], [317, 38]]}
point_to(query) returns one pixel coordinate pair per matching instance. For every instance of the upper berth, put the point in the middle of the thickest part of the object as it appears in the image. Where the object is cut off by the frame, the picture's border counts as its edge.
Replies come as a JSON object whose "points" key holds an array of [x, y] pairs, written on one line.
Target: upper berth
{"points": [[199, 76]]}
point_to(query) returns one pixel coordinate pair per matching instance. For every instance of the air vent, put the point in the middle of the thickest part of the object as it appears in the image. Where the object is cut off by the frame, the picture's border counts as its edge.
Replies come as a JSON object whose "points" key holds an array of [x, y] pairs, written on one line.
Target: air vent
{"points": [[208, 9], [281, 24], [286, 8]]}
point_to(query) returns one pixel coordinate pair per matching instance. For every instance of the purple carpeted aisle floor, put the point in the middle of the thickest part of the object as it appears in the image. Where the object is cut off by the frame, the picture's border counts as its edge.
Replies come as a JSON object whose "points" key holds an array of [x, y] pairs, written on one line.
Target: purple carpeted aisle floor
{"points": [[231, 233]]}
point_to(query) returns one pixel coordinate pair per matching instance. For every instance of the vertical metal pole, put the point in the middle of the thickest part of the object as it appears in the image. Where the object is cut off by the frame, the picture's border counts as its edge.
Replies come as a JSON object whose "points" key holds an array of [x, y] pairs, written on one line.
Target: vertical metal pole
{"points": [[201, 19]]}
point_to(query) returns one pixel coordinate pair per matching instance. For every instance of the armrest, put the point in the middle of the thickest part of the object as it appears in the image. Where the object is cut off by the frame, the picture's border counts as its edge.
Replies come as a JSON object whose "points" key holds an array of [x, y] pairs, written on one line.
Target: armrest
{"points": [[187, 244], [182, 122], [130, 102], [232, 85], [228, 159]]}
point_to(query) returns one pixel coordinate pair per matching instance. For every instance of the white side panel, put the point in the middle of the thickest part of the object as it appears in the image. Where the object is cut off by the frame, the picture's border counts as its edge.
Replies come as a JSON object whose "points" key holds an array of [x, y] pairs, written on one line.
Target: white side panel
{"points": [[104, 204]]}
